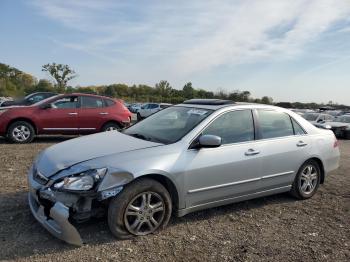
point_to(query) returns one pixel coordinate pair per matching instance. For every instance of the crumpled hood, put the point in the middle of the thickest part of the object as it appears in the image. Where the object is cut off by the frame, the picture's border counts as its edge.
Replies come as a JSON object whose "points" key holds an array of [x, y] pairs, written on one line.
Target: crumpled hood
{"points": [[71, 152]]}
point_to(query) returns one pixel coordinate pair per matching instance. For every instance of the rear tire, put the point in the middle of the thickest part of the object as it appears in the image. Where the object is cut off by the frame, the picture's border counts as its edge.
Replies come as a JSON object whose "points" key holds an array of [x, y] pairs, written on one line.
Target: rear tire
{"points": [[131, 208], [307, 180], [20, 132], [111, 127]]}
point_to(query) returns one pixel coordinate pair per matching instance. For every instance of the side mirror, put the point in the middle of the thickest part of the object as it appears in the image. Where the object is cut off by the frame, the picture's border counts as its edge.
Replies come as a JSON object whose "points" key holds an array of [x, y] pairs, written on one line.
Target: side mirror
{"points": [[209, 141], [46, 106], [320, 121]]}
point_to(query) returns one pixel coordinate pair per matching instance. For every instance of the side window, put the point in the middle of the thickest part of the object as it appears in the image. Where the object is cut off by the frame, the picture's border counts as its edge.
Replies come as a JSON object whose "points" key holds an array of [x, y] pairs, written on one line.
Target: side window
{"points": [[66, 102], [298, 130], [109, 102], [91, 102], [153, 106], [35, 99], [329, 118], [274, 124], [233, 127], [164, 106]]}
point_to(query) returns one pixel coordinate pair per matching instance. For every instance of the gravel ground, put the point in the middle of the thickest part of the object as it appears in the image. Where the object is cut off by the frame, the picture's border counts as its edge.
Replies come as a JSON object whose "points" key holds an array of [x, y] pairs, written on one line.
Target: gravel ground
{"points": [[275, 228]]}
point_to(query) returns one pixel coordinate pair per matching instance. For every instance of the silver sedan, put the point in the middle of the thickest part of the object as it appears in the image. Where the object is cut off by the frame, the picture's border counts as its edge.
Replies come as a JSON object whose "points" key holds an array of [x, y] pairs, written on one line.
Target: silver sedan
{"points": [[188, 157]]}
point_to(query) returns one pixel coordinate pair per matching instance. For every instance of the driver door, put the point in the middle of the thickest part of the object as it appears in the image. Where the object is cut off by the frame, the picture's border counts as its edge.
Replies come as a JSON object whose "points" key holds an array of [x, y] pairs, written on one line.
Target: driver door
{"points": [[61, 117], [228, 171]]}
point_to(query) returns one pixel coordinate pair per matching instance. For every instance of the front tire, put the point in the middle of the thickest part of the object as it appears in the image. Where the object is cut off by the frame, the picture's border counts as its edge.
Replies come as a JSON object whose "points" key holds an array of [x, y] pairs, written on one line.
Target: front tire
{"points": [[20, 132], [307, 180], [143, 207], [139, 117]]}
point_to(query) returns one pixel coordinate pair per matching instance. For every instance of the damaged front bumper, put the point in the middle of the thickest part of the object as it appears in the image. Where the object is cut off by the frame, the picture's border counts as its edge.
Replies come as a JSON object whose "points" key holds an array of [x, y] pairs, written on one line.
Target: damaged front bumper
{"points": [[55, 220], [57, 223]]}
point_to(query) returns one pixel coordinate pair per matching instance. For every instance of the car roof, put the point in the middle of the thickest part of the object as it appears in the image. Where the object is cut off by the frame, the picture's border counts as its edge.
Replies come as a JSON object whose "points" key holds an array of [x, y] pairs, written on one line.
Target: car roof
{"points": [[92, 95], [215, 104]]}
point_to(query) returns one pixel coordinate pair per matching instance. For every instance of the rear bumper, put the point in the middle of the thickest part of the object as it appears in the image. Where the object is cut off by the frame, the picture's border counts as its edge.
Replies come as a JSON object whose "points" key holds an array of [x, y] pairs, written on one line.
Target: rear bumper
{"points": [[57, 223]]}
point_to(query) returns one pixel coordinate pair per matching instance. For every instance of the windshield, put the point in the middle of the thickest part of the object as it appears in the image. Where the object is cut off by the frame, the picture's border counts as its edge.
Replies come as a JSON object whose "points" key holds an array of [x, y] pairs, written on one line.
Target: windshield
{"points": [[310, 117], [344, 119], [169, 125]]}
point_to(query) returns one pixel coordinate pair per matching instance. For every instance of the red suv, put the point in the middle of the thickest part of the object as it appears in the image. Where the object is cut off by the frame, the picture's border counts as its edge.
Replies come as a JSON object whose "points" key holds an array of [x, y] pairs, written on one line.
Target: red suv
{"points": [[63, 114]]}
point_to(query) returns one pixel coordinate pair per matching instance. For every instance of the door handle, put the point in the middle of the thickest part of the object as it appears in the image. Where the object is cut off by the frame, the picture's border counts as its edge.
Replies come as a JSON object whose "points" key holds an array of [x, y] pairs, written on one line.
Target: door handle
{"points": [[252, 152], [103, 113], [301, 144], [73, 113]]}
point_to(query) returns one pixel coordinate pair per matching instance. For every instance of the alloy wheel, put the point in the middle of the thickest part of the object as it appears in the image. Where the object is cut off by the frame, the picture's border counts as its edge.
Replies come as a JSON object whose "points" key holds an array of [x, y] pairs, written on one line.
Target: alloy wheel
{"points": [[21, 133], [144, 214], [111, 128], [308, 179]]}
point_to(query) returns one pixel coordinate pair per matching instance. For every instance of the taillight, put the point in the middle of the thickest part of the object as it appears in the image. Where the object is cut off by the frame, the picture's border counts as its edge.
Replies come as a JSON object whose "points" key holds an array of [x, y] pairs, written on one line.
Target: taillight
{"points": [[336, 144]]}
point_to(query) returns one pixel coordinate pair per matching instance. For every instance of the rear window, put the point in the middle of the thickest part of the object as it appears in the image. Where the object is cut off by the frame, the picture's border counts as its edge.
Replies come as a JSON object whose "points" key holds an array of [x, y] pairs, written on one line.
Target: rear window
{"points": [[91, 102], [274, 124], [298, 130], [109, 102]]}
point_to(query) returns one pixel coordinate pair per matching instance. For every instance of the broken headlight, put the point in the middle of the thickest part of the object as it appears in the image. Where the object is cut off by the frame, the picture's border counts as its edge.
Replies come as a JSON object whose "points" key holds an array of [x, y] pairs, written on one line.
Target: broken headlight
{"points": [[81, 182]]}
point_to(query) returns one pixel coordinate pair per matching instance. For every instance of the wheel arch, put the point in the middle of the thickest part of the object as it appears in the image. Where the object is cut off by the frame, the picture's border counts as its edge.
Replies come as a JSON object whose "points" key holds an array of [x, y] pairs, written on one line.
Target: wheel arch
{"points": [[24, 119], [110, 122], [168, 184]]}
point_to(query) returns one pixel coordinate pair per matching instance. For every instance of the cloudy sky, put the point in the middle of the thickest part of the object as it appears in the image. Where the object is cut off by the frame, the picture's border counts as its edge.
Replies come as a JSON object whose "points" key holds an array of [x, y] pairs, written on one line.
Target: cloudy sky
{"points": [[291, 50]]}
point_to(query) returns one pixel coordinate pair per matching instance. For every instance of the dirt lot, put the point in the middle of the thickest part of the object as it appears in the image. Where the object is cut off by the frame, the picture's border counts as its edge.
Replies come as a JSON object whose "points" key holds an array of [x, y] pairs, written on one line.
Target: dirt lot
{"points": [[275, 228]]}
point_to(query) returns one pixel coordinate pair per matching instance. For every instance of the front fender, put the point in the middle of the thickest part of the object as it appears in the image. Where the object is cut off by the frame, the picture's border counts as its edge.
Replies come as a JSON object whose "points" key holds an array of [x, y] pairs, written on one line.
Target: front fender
{"points": [[115, 178]]}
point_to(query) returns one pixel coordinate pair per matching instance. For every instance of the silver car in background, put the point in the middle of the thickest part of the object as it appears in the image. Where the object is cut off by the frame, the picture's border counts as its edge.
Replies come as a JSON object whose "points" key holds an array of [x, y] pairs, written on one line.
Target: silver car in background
{"points": [[188, 157], [149, 109], [318, 119]]}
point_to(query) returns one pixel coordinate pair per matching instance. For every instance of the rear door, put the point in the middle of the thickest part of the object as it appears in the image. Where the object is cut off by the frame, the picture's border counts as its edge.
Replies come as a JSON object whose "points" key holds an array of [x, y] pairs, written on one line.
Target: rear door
{"points": [[61, 117], [92, 114], [284, 148]]}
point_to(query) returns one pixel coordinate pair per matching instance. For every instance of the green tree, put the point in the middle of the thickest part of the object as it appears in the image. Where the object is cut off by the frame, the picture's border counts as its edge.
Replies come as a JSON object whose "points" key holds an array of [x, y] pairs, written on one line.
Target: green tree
{"points": [[110, 91], [188, 90], [61, 73], [266, 100], [163, 89], [43, 85]]}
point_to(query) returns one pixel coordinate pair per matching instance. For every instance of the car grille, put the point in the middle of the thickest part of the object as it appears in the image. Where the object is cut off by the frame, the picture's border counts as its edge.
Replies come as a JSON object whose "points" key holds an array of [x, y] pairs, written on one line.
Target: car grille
{"points": [[38, 177]]}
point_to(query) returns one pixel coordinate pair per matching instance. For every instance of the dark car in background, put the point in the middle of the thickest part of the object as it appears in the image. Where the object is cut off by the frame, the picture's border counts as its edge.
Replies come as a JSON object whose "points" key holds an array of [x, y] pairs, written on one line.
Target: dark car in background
{"points": [[340, 126], [29, 99], [71, 114]]}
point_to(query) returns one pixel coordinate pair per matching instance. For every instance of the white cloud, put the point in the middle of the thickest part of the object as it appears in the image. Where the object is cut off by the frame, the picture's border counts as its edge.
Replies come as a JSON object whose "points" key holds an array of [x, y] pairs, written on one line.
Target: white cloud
{"points": [[194, 36]]}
